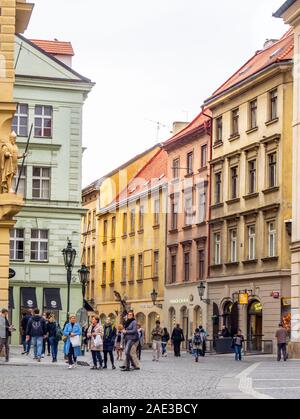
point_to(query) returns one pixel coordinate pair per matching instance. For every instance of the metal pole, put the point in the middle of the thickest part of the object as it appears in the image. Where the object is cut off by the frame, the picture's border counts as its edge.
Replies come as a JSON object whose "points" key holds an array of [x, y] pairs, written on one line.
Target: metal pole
{"points": [[23, 161], [69, 277]]}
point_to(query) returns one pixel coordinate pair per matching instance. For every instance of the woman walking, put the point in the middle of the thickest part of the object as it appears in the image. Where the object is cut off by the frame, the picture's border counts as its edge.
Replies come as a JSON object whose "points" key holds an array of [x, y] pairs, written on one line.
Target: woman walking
{"points": [[164, 341], [72, 333], [95, 334], [119, 343], [238, 341], [141, 334], [109, 337], [53, 336]]}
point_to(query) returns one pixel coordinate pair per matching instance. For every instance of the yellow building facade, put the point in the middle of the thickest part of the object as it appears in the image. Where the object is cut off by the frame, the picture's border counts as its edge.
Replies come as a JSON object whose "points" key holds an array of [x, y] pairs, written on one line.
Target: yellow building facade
{"points": [[132, 246], [251, 189], [14, 18]]}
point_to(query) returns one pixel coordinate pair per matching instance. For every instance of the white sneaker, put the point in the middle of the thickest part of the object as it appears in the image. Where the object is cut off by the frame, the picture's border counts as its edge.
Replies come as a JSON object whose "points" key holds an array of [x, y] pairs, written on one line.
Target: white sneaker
{"points": [[71, 367]]}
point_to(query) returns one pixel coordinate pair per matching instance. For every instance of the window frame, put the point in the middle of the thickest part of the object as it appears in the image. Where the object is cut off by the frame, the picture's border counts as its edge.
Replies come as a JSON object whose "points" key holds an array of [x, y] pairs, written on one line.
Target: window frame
{"points": [[43, 118], [17, 117], [15, 240], [41, 179], [39, 241]]}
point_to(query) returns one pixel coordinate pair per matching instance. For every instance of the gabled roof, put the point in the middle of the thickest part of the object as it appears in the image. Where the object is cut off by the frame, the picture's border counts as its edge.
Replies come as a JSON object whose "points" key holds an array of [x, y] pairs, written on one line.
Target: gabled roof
{"points": [[200, 122], [151, 176], [284, 8], [54, 47], [279, 51]]}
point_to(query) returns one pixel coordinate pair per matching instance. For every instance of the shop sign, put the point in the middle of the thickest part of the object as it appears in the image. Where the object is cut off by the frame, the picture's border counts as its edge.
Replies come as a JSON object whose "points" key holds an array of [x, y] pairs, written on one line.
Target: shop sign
{"points": [[275, 294], [179, 301], [286, 302], [243, 299]]}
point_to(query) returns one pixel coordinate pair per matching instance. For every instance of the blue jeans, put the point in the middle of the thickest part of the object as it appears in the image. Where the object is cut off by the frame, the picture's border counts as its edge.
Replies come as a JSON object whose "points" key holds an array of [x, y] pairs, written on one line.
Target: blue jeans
{"points": [[164, 347], [26, 345], [37, 343], [54, 347], [238, 352]]}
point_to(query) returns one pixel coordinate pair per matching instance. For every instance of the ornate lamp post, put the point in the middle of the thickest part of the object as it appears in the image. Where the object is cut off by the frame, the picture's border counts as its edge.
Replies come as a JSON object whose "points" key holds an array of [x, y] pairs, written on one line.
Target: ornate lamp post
{"points": [[201, 290], [84, 275], [69, 255], [154, 296]]}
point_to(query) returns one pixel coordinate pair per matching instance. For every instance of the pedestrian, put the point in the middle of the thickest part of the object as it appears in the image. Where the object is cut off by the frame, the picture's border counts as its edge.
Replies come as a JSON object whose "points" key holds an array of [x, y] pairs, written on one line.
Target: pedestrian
{"points": [[95, 334], [197, 344], [36, 332], [54, 336], [72, 333], [224, 333], [237, 342], [141, 341], [109, 336], [131, 338], [281, 336], [157, 334], [177, 337], [5, 333], [164, 341], [26, 316], [46, 344], [204, 335], [119, 343]]}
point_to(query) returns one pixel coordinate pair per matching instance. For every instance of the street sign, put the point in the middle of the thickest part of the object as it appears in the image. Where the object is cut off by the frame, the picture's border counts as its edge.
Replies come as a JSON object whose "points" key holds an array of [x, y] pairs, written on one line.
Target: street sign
{"points": [[82, 317]]}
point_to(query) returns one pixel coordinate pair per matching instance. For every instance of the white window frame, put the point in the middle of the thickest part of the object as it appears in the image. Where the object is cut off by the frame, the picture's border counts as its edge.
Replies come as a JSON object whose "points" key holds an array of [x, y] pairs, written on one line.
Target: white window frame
{"points": [[124, 269], [17, 120], [217, 246], [233, 245], [251, 242], [272, 239], [155, 263], [14, 239], [41, 178], [156, 211], [39, 240], [44, 118]]}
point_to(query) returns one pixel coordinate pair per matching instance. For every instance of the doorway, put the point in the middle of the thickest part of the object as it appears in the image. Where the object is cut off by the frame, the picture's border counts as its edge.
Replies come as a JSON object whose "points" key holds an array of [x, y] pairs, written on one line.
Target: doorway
{"points": [[255, 326]]}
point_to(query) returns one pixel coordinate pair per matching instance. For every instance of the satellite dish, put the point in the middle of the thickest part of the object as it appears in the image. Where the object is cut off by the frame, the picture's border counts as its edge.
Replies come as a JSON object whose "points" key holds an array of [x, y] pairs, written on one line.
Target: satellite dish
{"points": [[82, 317]]}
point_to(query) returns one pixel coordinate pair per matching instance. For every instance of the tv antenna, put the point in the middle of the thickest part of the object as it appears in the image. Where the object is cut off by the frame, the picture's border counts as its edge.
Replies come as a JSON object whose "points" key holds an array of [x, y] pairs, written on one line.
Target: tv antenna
{"points": [[159, 126]]}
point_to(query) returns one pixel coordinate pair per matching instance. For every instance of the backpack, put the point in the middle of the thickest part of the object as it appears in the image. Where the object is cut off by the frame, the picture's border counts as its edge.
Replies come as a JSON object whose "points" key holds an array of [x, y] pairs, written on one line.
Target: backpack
{"points": [[197, 340], [59, 334], [36, 328]]}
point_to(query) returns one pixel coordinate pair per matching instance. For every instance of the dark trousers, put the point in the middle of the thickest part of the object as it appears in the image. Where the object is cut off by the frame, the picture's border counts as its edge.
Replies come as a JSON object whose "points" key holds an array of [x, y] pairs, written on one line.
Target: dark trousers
{"points": [[4, 343], [139, 351], [177, 344], [54, 347], [26, 345], [71, 356], [281, 348], [97, 357], [111, 355], [46, 342]]}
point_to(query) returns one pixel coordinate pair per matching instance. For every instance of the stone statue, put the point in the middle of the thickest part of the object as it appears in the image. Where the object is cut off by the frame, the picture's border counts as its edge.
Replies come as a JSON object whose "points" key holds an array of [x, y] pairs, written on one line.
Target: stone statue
{"points": [[9, 155]]}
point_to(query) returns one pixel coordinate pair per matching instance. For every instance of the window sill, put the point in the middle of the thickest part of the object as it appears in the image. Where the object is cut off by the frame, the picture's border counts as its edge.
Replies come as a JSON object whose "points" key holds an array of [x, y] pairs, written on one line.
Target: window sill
{"points": [[140, 281], [39, 261], [200, 224], [131, 234], [270, 190], [155, 278], [229, 264], [188, 175], [111, 284], [272, 121], [219, 266], [174, 231], [43, 137], [218, 144], [141, 231], [270, 259], [156, 226], [113, 240], [251, 196], [104, 243], [203, 169], [233, 201], [124, 236], [234, 137], [216, 206], [131, 281], [250, 261], [103, 285], [17, 260], [187, 227], [249, 131], [123, 282]]}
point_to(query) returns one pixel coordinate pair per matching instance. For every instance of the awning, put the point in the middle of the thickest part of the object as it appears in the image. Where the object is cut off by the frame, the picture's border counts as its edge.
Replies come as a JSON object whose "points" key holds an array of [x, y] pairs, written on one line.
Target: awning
{"points": [[11, 303], [87, 306], [52, 300], [28, 298]]}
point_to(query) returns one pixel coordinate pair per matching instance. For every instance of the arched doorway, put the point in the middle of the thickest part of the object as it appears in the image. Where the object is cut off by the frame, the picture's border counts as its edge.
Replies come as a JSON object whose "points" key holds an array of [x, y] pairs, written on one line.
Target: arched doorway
{"points": [[102, 318], [151, 324], [231, 316], [184, 317], [255, 325], [215, 320], [172, 319], [197, 320], [141, 319]]}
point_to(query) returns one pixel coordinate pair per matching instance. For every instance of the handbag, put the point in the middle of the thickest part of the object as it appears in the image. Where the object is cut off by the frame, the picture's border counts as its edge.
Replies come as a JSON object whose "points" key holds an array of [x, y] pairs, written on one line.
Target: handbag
{"points": [[98, 341], [75, 341]]}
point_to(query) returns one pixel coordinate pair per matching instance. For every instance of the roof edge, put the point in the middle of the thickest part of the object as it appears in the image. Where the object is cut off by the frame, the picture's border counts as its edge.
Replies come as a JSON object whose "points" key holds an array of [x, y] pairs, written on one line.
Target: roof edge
{"points": [[282, 9]]}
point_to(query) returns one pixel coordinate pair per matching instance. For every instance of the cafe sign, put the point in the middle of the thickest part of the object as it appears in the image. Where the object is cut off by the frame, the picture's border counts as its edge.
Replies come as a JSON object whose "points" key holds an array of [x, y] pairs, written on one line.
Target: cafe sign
{"points": [[243, 299]]}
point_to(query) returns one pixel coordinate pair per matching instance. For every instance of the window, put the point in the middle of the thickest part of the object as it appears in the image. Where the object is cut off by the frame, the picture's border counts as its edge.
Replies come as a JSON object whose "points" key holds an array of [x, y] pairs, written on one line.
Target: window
{"points": [[272, 170], [43, 121], [235, 122], [252, 176], [189, 160], [272, 239], [218, 187], [105, 229], [174, 211], [132, 221], [104, 273], [186, 267], [124, 223], [204, 155], [124, 269], [253, 114], [140, 267], [141, 218], [176, 165], [173, 268], [20, 121], [39, 245], [131, 268], [41, 183], [188, 210], [233, 245], [202, 206], [201, 264], [113, 228], [156, 211], [273, 104], [219, 129], [217, 250], [155, 264], [251, 242], [234, 182], [112, 271], [17, 244], [22, 184]]}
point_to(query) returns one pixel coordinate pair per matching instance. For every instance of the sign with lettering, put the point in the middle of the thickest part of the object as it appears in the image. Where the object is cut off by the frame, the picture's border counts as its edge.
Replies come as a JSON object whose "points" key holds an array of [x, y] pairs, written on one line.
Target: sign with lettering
{"points": [[243, 299]]}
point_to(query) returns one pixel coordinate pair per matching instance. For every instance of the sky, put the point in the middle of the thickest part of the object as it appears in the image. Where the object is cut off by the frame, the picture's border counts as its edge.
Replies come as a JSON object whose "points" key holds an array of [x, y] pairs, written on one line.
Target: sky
{"points": [[152, 61]]}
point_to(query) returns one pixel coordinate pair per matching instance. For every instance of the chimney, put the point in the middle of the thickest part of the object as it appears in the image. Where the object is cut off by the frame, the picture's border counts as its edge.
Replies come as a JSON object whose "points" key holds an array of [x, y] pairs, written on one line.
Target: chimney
{"points": [[269, 42], [178, 126]]}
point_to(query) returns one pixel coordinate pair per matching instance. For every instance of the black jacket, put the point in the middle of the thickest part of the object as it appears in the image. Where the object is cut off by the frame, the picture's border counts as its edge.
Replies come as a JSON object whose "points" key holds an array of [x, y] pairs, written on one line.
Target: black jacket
{"points": [[177, 335], [36, 327], [51, 329], [24, 323]]}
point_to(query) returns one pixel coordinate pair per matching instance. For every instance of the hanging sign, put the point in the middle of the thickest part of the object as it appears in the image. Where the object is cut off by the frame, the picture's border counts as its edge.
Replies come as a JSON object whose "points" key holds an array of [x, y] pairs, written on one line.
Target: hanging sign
{"points": [[243, 299]]}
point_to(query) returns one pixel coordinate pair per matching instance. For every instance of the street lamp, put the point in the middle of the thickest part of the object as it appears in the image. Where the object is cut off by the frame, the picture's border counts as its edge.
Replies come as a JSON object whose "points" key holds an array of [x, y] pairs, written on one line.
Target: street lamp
{"points": [[84, 274], [201, 290], [154, 296], [69, 255]]}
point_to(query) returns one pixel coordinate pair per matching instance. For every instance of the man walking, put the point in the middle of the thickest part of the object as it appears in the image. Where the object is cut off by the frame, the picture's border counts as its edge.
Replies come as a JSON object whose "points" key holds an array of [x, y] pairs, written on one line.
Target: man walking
{"points": [[5, 333], [37, 332], [131, 338], [26, 345], [177, 337], [157, 334], [281, 336]]}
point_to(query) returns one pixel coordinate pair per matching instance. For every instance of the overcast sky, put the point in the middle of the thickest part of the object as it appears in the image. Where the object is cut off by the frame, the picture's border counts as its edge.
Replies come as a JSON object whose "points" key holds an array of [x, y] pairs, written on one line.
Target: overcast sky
{"points": [[152, 60]]}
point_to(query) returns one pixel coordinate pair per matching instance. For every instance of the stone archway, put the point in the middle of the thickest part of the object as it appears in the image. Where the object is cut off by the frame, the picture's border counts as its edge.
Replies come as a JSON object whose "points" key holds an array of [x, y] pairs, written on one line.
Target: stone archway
{"points": [[102, 318], [255, 325], [184, 322], [172, 319], [197, 317]]}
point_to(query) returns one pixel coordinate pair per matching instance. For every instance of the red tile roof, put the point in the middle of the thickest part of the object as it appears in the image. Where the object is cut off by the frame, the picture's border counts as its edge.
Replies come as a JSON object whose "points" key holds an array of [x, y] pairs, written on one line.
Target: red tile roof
{"points": [[201, 121], [279, 51], [54, 47]]}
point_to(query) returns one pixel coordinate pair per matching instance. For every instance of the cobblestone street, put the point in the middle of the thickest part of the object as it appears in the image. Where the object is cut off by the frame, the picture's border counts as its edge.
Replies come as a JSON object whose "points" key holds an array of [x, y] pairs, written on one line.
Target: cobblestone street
{"points": [[214, 377]]}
